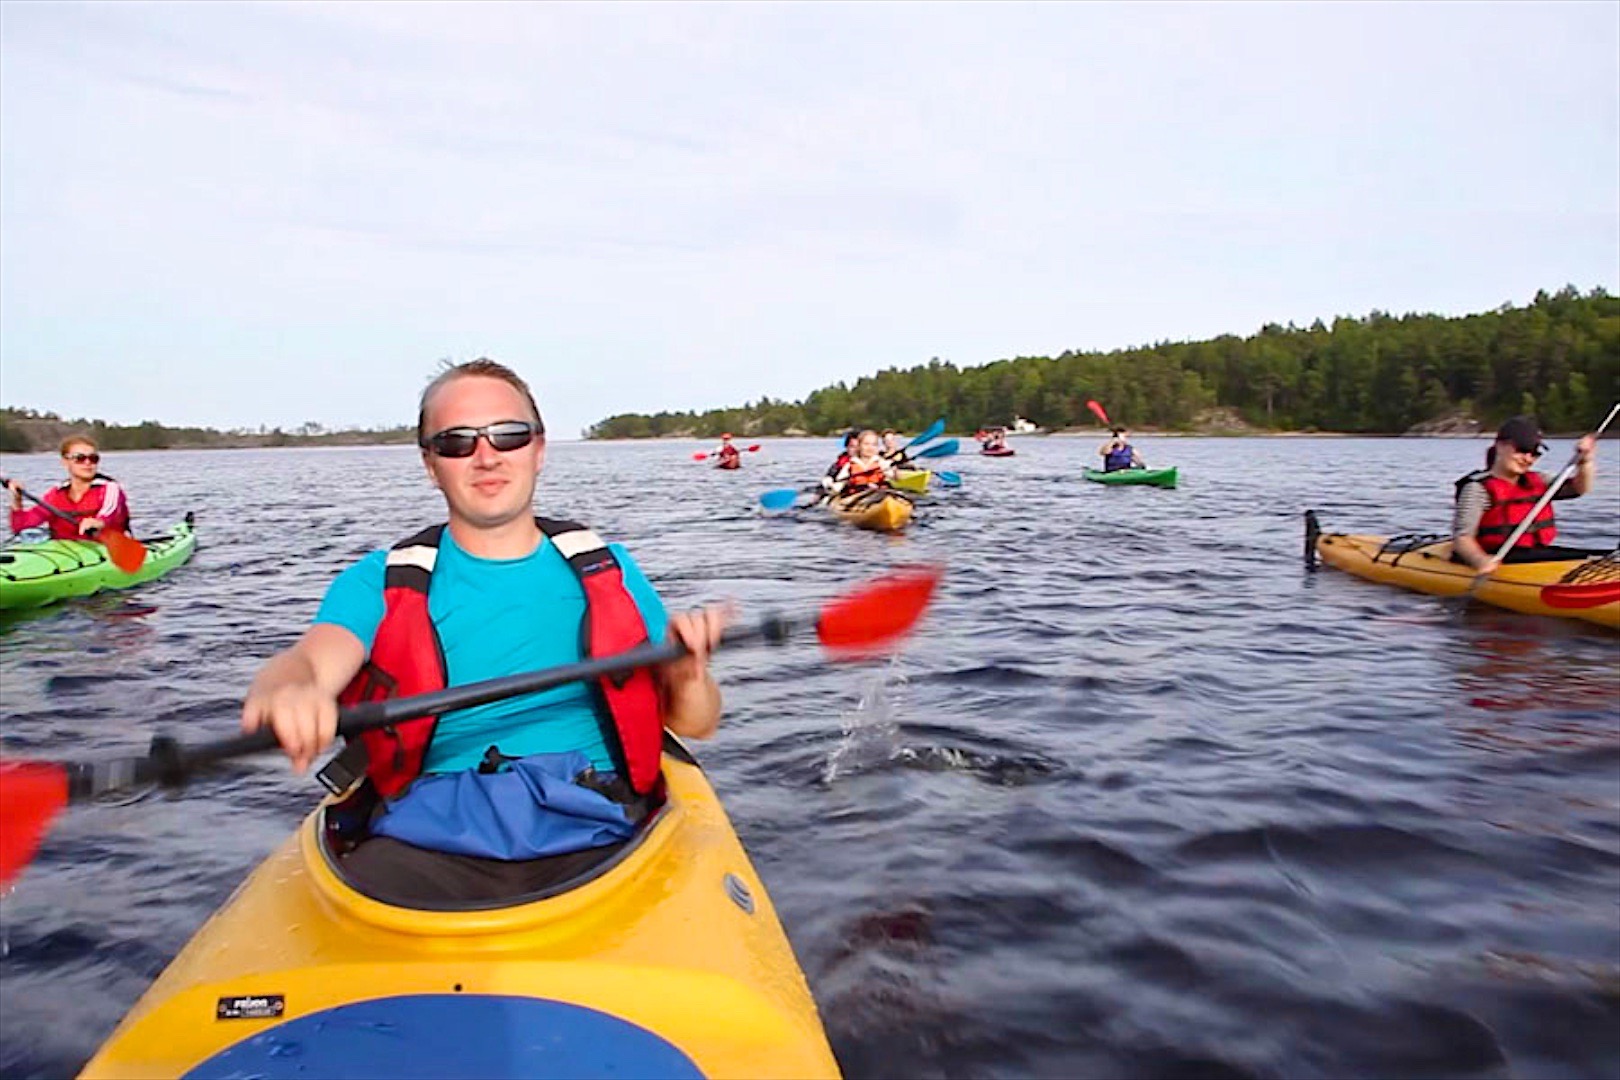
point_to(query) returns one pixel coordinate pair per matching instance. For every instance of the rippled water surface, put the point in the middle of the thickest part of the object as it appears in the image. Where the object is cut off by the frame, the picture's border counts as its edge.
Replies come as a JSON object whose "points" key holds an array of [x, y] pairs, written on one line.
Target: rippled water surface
{"points": [[1141, 797]]}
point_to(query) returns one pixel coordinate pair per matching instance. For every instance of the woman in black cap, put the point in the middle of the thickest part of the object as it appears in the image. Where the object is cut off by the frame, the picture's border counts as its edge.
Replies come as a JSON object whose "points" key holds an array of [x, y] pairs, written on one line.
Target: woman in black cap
{"points": [[1491, 503]]}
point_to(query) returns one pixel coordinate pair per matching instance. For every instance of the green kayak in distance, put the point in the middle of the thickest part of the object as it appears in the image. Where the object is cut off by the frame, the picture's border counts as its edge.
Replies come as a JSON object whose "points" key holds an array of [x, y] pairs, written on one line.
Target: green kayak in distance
{"points": [[34, 575], [1165, 478]]}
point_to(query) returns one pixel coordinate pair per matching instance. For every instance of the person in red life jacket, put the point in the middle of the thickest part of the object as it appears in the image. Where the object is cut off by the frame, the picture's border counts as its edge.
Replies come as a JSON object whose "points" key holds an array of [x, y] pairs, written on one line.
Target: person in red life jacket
{"points": [[864, 470], [730, 457], [507, 798], [995, 439], [1493, 501], [93, 501]]}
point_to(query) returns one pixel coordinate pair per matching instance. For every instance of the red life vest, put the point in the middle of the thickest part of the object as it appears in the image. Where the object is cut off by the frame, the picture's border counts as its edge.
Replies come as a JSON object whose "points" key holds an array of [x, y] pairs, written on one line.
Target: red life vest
{"points": [[1510, 504], [408, 658]]}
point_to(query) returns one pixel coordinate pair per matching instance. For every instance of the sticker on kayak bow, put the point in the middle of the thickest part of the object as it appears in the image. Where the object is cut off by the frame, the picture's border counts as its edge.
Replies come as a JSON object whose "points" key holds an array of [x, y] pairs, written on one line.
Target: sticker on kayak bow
{"points": [[740, 895], [251, 1007]]}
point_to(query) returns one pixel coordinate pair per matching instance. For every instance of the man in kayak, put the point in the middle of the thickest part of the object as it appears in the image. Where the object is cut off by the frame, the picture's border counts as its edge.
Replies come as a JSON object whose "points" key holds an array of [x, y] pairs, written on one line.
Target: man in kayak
{"points": [[505, 798], [1118, 453], [1493, 501], [995, 439], [93, 501], [730, 457]]}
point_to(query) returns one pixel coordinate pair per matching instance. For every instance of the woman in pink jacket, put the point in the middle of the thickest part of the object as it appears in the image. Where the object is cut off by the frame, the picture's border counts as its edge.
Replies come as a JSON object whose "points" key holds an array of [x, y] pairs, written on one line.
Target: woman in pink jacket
{"points": [[93, 501]]}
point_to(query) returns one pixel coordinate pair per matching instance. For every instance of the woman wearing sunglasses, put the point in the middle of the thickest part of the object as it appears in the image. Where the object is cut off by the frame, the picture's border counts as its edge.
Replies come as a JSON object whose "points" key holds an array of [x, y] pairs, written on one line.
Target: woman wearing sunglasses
{"points": [[1492, 502], [469, 808], [91, 500]]}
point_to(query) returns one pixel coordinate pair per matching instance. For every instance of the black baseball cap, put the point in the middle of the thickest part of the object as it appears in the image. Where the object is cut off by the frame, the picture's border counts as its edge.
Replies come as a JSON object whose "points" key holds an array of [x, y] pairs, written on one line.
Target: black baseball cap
{"points": [[1523, 432]]}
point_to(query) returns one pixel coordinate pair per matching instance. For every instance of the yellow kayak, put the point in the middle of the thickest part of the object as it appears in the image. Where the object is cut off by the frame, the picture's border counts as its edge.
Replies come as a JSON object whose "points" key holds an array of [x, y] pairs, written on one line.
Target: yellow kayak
{"points": [[890, 513], [1428, 568], [913, 480], [670, 962]]}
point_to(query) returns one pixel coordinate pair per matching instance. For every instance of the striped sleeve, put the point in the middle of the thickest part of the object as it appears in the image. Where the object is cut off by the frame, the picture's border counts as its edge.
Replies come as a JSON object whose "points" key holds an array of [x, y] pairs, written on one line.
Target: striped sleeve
{"points": [[114, 507], [1472, 502]]}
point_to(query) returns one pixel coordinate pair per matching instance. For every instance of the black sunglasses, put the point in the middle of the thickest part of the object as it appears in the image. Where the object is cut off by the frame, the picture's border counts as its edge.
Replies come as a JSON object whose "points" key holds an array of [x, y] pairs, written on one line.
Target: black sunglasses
{"points": [[460, 442], [81, 457], [1534, 451]]}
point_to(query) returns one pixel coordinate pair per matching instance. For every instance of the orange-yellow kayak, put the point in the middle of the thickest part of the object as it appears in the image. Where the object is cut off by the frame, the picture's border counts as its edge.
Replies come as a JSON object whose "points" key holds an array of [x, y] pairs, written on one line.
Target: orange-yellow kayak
{"points": [[1541, 588], [890, 513], [669, 962]]}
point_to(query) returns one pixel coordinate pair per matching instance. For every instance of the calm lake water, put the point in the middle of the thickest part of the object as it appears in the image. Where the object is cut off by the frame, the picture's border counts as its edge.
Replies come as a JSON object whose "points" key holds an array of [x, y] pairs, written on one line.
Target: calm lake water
{"points": [[1141, 797]]}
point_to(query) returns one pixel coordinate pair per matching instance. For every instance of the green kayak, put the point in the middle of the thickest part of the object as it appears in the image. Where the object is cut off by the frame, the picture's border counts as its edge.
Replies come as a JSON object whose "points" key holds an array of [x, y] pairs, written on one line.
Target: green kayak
{"points": [[1165, 478], [34, 575]]}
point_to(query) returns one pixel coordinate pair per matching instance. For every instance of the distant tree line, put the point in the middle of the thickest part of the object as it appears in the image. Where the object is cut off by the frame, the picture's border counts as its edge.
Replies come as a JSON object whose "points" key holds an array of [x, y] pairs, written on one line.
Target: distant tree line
{"points": [[1557, 357], [27, 430]]}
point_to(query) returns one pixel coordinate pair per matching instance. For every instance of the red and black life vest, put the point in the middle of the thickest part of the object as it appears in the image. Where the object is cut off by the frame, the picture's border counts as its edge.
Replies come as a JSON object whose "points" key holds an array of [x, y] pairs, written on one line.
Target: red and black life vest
{"points": [[408, 658], [1511, 502]]}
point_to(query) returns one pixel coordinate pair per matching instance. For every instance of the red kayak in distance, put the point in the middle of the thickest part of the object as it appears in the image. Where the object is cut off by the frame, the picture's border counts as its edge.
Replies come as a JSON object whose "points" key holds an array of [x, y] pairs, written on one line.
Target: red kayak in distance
{"points": [[1001, 451]]}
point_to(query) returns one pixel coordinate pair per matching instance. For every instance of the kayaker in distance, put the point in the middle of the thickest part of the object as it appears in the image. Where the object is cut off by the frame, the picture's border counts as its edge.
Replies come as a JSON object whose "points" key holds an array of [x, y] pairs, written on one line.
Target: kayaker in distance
{"points": [[730, 457], [502, 799], [1493, 501], [1118, 453], [994, 439], [97, 501], [863, 470]]}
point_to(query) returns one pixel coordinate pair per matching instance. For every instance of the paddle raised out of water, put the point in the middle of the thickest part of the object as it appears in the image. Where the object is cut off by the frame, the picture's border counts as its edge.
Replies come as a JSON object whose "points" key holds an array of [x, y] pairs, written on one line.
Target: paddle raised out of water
{"points": [[126, 552], [863, 622]]}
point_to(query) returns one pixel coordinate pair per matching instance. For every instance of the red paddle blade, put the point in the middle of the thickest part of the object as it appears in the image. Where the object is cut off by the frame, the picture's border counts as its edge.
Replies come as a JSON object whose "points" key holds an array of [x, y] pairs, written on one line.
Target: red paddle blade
{"points": [[868, 619], [126, 552], [753, 447], [699, 456], [1101, 415], [1596, 594], [32, 793]]}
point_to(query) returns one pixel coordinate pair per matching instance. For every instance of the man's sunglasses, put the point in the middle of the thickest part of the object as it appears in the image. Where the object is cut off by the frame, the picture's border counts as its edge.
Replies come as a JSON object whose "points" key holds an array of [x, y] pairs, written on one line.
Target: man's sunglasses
{"points": [[460, 442], [81, 458]]}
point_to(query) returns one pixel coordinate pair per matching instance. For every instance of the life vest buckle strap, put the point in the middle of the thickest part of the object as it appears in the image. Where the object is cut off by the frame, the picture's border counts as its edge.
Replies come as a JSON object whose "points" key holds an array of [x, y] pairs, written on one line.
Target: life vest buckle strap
{"points": [[347, 768]]}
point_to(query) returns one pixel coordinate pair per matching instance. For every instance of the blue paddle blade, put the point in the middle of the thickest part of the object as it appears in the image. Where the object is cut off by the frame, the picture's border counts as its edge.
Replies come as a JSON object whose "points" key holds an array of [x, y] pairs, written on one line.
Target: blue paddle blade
{"points": [[779, 499], [930, 432], [949, 479], [944, 449]]}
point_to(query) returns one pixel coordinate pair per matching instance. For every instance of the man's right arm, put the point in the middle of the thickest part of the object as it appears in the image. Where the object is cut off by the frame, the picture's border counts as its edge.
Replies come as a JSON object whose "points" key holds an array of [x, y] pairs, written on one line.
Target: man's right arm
{"points": [[295, 693]]}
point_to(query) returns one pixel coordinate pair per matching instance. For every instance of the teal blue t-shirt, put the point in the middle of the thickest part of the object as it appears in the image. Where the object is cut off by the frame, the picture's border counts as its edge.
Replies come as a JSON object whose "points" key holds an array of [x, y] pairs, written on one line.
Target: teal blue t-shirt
{"points": [[500, 617]]}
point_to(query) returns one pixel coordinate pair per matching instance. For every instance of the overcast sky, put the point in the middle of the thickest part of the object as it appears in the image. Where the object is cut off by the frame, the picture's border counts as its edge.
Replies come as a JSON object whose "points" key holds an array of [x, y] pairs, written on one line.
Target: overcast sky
{"points": [[232, 214]]}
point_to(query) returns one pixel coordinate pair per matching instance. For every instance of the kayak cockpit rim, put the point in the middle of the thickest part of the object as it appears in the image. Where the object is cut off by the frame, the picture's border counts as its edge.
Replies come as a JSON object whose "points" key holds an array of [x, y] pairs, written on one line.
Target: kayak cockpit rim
{"points": [[649, 825]]}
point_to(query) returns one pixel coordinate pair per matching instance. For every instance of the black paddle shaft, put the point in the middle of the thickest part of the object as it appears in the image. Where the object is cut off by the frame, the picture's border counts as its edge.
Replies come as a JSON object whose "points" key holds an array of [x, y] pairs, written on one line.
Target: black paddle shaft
{"points": [[168, 762], [31, 497]]}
